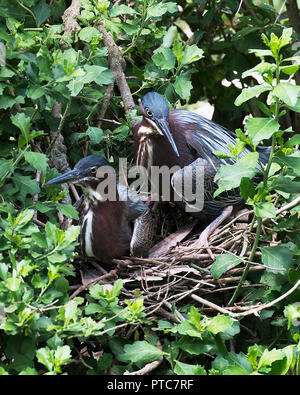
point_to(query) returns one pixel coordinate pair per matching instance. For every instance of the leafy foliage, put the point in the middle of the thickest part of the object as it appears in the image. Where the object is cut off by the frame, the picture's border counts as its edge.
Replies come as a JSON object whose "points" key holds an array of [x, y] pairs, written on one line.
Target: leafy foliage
{"points": [[187, 51]]}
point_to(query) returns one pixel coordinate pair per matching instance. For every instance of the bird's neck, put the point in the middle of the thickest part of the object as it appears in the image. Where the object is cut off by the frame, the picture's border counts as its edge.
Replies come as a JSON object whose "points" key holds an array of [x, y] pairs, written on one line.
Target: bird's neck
{"points": [[103, 217]]}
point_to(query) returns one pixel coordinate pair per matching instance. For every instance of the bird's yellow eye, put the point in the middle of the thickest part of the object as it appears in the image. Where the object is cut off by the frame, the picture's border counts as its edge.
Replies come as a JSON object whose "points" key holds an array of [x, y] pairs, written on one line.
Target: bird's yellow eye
{"points": [[94, 170], [149, 113]]}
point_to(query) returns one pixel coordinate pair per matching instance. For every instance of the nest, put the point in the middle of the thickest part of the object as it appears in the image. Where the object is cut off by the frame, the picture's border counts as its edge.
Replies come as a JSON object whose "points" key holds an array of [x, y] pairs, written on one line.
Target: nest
{"points": [[176, 271]]}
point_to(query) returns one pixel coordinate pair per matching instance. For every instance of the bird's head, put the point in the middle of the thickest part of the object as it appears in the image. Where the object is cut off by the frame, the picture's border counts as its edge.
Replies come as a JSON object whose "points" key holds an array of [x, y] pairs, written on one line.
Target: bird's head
{"points": [[85, 172], [155, 111]]}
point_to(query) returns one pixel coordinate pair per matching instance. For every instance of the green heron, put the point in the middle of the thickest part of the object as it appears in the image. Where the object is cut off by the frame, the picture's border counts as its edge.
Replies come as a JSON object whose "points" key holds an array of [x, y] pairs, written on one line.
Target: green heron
{"points": [[169, 137], [111, 225]]}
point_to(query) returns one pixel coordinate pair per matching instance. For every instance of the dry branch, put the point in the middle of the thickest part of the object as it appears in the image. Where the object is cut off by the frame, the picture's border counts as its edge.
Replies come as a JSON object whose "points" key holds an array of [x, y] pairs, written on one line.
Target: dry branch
{"points": [[70, 20]]}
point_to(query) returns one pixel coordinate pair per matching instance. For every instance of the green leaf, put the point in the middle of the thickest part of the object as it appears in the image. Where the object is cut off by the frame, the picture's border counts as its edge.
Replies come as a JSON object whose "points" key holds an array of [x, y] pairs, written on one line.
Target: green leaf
{"points": [[88, 33], [261, 53], [178, 49], [69, 312], [7, 101], [28, 372], [72, 233], [261, 129], [3, 272], [98, 74], [191, 54], [95, 134], [219, 323], [41, 12], [265, 109], [37, 160], [247, 188], [23, 123], [193, 346], [93, 308], [6, 166], [172, 7], [188, 329], [292, 313], [290, 70], [157, 10], [285, 184], [90, 73], [13, 283], [25, 186], [261, 68], [77, 83], [230, 176], [286, 37], [23, 218], [195, 317], [277, 257], [293, 141], [117, 287], [57, 257], [62, 355], [222, 155], [265, 210], [222, 264], [268, 357], [38, 282], [35, 92], [164, 58], [187, 369], [170, 38], [45, 358], [291, 162], [6, 73], [183, 87], [235, 370], [141, 352], [122, 10], [287, 92], [68, 210]]}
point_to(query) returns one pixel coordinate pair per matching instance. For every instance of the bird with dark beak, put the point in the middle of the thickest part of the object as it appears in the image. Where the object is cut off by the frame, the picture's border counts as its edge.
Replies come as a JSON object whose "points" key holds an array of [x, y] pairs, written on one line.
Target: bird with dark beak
{"points": [[170, 137], [113, 222]]}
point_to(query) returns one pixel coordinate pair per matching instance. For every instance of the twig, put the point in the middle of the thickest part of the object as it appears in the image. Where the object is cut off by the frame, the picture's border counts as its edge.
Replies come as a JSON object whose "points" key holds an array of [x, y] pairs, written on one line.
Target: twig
{"points": [[36, 196], [219, 232], [39, 223], [109, 121], [267, 305], [287, 207], [74, 191], [169, 306], [59, 129], [117, 64], [105, 102], [251, 310], [210, 304], [147, 368]]}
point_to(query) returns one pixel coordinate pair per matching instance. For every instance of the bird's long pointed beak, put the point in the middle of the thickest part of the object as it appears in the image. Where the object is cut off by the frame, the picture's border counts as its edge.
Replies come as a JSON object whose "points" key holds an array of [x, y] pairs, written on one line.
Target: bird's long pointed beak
{"points": [[163, 125], [70, 176]]}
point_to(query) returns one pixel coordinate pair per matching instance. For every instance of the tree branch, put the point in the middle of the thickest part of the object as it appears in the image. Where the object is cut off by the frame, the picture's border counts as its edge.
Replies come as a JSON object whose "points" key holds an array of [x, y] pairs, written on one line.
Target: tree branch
{"points": [[117, 65], [70, 20]]}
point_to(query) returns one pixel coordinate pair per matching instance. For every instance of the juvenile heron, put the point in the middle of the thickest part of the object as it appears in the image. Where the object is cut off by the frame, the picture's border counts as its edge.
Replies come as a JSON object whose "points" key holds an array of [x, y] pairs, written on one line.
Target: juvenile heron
{"points": [[167, 137], [111, 225]]}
